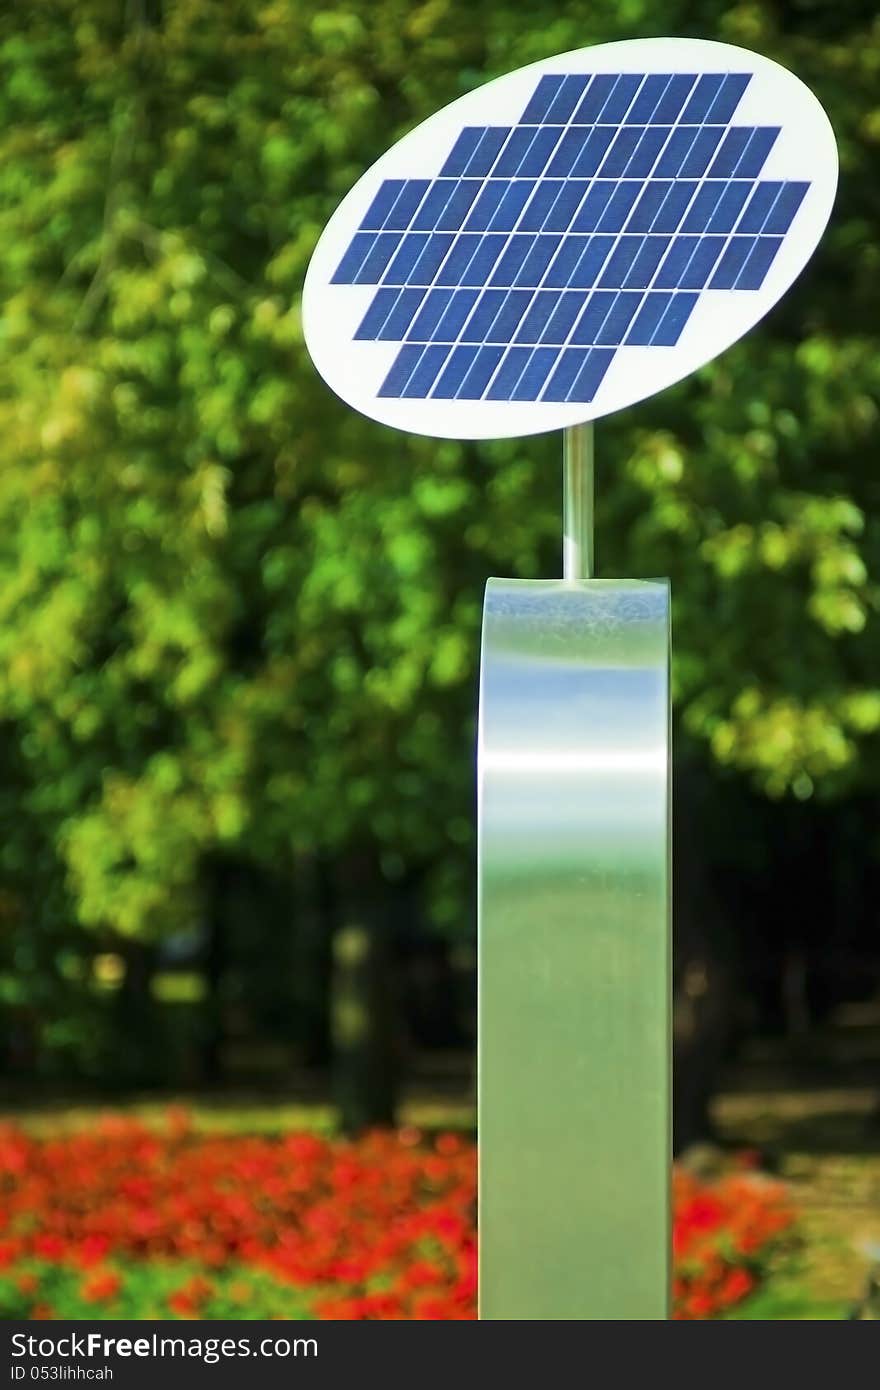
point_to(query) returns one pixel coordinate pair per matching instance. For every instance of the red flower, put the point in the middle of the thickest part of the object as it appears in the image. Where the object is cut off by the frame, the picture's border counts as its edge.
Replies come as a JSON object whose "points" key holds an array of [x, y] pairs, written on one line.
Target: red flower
{"points": [[102, 1285]]}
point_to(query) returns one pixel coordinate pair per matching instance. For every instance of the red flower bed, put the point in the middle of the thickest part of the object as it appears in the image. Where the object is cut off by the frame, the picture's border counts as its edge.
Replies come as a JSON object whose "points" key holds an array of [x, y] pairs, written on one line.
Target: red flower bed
{"points": [[378, 1228], [723, 1235]]}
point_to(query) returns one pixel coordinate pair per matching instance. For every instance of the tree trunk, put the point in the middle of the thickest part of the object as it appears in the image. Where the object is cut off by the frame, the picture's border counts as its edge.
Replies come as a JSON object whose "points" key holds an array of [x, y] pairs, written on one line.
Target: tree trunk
{"points": [[217, 876], [364, 1025], [136, 1064], [316, 920]]}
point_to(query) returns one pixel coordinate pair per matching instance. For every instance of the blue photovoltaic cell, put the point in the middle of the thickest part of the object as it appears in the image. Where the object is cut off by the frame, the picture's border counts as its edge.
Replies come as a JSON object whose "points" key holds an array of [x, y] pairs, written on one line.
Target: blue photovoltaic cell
{"points": [[430, 261], [697, 108], [593, 101], [507, 269], [411, 196], [395, 327], [531, 329], [389, 192], [566, 99], [647, 100], [674, 205], [647, 320], [459, 363], [479, 325], [353, 259], [411, 248], [562, 320], [486, 205], [676, 151], [701, 263], [434, 306], [401, 370], [700, 152], [645, 154], [538, 154], [377, 258], [568, 151], [453, 268], [425, 374], [597, 309], [758, 207], [483, 260], [543, 96], [461, 151], [561, 215], [536, 262], [622, 94], [535, 215], [561, 268], [620, 316], [728, 208], [595, 222], [512, 200], [590, 376], [373, 319], [676, 261], [514, 307], [563, 377], [434, 202], [619, 207], [618, 265], [621, 152], [460, 305], [643, 214], [508, 374], [728, 98], [731, 263], [593, 152], [590, 263], [486, 153], [707, 198], [481, 371], [593, 206], [730, 152], [537, 369], [675, 95], [756, 151], [674, 320], [511, 206], [648, 256], [458, 206], [514, 151], [751, 277], [785, 207]]}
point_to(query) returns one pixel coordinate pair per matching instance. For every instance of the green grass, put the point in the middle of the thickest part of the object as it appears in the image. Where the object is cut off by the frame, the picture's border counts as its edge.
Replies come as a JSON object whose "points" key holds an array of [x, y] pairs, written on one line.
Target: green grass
{"points": [[230, 1115], [147, 1289], [782, 1301]]}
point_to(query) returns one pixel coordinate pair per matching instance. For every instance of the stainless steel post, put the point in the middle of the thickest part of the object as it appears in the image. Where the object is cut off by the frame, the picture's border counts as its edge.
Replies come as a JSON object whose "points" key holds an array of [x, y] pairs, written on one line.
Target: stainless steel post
{"points": [[574, 869]]}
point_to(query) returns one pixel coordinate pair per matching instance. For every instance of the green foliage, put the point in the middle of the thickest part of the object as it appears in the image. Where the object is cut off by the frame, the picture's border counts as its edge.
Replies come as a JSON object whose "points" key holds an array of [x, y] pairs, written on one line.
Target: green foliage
{"points": [[235, 617]]}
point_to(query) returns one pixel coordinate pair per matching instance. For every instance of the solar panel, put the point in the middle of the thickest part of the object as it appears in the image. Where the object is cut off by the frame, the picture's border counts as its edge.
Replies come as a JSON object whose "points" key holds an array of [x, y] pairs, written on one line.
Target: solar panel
{"points": [[612, 190], [595, 220]]}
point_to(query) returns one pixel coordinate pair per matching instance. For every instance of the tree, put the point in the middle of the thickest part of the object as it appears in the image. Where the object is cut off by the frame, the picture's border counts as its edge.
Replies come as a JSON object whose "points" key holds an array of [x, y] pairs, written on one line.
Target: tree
{"points": [[235, 619]]}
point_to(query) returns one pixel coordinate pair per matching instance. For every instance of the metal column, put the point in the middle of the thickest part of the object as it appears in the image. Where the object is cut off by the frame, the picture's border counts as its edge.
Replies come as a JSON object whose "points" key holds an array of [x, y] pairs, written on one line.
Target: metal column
{"points": [[574, 970]]}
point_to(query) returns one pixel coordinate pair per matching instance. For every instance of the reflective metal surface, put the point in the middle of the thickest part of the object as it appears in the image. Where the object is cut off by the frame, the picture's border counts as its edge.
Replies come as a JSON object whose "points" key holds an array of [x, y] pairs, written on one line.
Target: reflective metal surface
{"points": [[574, 874]]}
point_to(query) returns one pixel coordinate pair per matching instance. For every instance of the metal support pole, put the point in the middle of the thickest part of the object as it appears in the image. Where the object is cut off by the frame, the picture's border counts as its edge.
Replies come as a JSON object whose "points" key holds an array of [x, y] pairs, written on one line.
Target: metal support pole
{"points": [[573, 944], [578, 555]]}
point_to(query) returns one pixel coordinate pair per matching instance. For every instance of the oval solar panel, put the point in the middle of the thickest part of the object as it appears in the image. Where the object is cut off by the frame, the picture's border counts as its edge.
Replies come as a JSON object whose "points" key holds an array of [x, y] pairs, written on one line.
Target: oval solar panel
{"points": [[570, 238]]}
